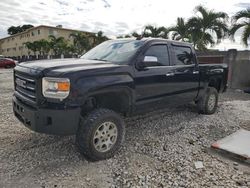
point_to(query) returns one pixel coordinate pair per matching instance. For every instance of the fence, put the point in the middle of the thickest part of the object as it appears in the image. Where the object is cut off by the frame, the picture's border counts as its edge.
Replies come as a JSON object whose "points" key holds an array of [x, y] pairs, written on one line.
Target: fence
{"points": [[238, 63]]}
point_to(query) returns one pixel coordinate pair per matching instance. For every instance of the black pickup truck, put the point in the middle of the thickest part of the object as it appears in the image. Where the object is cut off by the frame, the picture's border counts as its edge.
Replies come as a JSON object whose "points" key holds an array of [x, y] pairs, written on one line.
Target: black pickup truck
{"points": [[88, 96]]}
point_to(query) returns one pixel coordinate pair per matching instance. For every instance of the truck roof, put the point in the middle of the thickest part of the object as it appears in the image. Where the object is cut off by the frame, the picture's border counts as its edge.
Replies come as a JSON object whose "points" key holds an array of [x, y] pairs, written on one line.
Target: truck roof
{"points": [[149, 39]]}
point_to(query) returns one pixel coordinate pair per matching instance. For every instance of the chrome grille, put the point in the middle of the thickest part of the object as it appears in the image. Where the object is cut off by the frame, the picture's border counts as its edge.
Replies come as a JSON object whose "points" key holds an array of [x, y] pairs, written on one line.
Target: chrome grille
{"points": [[25, 86]]}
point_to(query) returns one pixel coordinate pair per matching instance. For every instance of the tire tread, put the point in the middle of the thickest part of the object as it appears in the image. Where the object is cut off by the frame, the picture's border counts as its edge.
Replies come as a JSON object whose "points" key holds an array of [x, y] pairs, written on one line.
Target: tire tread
{"points": [[202, 103], [87, 125]]}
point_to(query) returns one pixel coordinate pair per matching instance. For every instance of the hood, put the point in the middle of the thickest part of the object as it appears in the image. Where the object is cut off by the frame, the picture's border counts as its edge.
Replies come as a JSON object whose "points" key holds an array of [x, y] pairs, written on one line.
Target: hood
{"points": [[66, 65]]}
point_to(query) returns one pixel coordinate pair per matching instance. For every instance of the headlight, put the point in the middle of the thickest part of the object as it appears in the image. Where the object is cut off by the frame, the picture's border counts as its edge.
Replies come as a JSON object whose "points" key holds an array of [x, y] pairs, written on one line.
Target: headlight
{"points": [[57, 88]]}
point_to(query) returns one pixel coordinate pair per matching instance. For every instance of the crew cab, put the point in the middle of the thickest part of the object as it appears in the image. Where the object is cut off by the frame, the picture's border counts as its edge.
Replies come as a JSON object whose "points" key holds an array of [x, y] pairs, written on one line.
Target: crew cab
{"points": [[88, 97]]}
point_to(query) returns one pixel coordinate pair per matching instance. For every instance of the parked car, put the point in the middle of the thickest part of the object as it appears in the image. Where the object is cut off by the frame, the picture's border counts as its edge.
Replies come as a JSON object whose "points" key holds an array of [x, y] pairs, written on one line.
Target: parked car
{"points": [[89, 96], [7, 63]]}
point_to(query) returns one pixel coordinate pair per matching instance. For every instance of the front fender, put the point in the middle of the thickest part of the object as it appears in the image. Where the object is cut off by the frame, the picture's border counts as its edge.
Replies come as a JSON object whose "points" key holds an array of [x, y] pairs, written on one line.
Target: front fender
{"points": [[85, 87]]}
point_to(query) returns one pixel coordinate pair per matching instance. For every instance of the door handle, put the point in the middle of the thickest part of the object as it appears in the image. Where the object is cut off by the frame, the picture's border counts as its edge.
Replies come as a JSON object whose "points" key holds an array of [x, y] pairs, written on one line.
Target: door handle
{"points": [[170, 74], [195, 72]]}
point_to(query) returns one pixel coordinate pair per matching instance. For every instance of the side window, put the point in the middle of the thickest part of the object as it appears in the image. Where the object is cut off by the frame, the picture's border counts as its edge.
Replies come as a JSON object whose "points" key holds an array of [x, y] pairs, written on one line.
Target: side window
{"points": [[183, 55], [159, 51]]}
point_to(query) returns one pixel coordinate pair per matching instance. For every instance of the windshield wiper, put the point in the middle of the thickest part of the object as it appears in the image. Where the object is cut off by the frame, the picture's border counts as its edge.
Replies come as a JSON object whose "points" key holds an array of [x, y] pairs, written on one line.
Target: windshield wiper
{"points": [[98, 59]]}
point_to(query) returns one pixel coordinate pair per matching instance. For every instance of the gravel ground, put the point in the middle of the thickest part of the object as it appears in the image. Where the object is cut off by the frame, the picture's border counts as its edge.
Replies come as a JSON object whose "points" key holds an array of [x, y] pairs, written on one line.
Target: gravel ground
{"points": [[159, 151]]}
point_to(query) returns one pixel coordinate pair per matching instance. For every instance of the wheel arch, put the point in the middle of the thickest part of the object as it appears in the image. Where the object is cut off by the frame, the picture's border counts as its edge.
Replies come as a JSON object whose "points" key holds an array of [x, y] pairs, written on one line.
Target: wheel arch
{"points": [[118, 99], [215, 82]]}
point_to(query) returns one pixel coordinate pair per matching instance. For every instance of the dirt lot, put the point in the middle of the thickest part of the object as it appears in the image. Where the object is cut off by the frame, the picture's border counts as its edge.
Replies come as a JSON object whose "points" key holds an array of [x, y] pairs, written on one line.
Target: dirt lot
{"points": [[159, 151]]}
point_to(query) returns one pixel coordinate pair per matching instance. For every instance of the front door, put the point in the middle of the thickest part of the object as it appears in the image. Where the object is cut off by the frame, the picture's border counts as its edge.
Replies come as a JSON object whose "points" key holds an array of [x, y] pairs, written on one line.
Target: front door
{"points": [[156, 81]]}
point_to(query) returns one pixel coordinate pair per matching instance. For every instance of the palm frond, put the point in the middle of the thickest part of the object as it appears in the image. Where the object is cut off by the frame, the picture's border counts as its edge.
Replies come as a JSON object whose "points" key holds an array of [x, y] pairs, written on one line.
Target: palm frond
{"points": [[202, 10], [246, 35], [234, 29], [241, 14], [174, 35]]}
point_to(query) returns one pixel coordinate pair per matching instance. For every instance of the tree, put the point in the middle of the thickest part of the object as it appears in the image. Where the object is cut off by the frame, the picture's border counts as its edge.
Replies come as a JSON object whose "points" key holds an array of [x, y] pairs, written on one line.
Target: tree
{"points": [[37, 47], [18, 29], [14, 30], [207, 24], [33, 46], [72, 49], [27, 26], [81, 42], [58, 45], [151, 31], [137, 35], [241, 20], [124, 36], [127, 36], [181, 31], [63, 47], [44, 47], [99, 38]]}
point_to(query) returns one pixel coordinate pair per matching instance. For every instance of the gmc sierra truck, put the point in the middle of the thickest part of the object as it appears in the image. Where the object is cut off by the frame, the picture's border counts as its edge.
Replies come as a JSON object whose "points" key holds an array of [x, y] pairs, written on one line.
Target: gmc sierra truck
{"points": [[88, 97]]}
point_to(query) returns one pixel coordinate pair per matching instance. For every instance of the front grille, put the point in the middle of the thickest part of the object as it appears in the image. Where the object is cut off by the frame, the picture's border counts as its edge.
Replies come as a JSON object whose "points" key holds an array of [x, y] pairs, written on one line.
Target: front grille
{"points": [[25, 86]]}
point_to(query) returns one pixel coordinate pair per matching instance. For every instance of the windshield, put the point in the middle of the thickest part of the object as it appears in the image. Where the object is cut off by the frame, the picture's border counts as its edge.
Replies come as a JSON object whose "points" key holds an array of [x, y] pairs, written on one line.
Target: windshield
{"points": [[116, 51]]}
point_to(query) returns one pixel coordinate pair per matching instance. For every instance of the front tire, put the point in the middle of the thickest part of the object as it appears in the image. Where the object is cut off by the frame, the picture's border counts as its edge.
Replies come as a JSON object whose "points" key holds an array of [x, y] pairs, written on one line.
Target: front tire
{"points": [[209, 102], [100, 134]]}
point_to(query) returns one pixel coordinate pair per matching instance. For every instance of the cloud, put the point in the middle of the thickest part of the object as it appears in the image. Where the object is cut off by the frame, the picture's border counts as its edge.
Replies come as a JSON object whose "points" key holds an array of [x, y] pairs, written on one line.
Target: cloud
{"points": [[106, 4], [31, 21], [61, 2], [100, 24], [243, 5], [122, 25], [85, 27], [10, 3]]}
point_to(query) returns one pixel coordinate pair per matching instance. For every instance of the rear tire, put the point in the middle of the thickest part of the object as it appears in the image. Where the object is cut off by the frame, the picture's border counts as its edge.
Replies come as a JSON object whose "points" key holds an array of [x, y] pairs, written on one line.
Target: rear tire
{"points": [[100, 134], [209, 102]]}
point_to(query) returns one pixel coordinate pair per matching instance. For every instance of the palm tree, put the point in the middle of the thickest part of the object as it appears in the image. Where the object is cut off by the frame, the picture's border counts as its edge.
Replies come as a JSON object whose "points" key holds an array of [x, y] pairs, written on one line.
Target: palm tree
{"points": [[81, 42], [124, 36], [207, 24], [151, 31], [63, 47], [181, 31], [137, 35], [57, 44], [33, 46], [38, 48], [127, 36], [44, 47], [241, 20], [72, 49]]}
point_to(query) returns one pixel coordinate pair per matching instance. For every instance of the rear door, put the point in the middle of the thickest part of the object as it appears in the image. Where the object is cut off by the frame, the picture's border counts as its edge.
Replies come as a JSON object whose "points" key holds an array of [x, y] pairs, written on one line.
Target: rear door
{"points": [[185, 73]]}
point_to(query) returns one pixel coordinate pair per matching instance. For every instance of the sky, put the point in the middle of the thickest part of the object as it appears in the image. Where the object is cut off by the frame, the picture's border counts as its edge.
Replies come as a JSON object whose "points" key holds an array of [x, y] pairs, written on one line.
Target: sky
{"points": [[113, 17]]}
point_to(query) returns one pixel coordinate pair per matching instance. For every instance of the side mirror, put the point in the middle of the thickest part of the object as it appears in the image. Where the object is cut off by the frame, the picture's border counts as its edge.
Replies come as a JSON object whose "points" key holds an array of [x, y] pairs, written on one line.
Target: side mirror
{"points": [[149, 61]]}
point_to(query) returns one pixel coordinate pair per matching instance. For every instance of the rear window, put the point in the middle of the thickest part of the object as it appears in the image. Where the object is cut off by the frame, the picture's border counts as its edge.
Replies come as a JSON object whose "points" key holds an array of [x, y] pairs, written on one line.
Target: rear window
{"points": [[183, 55]]}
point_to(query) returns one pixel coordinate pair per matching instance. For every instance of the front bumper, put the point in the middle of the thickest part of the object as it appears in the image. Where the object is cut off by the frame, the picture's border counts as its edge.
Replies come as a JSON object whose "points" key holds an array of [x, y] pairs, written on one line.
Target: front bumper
{"points": [[49, 121]]}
